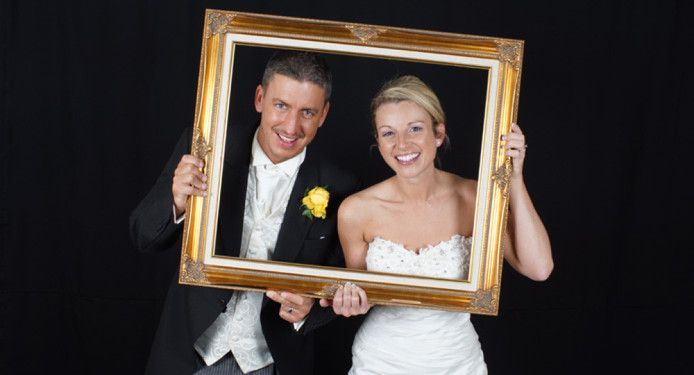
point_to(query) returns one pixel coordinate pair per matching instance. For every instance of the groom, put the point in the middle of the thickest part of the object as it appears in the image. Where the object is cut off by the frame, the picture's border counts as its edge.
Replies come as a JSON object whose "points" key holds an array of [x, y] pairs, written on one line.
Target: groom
{"points": [[267, 171]]}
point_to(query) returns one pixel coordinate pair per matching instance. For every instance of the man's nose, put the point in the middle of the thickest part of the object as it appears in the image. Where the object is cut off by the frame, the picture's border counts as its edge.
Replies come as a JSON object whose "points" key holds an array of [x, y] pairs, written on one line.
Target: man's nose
{"points": [[292, 123]]}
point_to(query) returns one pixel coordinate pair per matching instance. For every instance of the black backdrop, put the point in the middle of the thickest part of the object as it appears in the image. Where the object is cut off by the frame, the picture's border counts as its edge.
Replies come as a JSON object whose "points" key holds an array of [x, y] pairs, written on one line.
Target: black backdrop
{"points": [[95, 94]]}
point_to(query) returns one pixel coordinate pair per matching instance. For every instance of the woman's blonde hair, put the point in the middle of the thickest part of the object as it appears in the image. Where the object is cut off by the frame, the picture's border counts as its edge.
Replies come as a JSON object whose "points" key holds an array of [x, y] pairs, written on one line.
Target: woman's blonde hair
{"points": [[408, 88]]}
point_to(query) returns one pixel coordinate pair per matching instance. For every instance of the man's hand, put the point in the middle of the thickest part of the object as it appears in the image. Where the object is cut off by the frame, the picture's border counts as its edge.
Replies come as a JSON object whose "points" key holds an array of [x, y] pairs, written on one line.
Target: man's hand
{"points": [[294, 307], [188, 180]]}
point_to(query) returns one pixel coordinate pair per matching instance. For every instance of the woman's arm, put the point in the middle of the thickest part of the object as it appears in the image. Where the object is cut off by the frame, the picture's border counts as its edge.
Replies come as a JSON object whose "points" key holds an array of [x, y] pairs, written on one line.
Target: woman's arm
{"points": [[526, 246], [352, 218]]}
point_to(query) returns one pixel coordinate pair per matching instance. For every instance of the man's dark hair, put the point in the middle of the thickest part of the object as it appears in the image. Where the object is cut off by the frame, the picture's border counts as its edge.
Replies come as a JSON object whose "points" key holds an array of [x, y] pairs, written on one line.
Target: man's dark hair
{"points": [[301, 66]]}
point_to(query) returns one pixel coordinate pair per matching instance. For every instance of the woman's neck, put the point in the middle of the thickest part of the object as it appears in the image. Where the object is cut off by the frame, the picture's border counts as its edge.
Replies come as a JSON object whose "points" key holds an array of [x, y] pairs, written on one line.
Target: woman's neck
{"points": [[418, 189]]}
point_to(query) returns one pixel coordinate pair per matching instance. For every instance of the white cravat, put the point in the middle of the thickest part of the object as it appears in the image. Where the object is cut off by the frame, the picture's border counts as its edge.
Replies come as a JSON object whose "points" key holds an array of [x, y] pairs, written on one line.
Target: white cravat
{"points": [[238, 328]]}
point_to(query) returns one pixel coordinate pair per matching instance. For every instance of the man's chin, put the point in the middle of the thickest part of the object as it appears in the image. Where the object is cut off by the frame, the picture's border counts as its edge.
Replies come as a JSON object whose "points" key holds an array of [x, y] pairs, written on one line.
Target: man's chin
{"points": [[286, 153]]}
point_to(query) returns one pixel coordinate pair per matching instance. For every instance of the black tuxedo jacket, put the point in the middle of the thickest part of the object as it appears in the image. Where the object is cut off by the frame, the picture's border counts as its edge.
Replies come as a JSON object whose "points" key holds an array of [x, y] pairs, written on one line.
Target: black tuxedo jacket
{"points": [[189, 310]]}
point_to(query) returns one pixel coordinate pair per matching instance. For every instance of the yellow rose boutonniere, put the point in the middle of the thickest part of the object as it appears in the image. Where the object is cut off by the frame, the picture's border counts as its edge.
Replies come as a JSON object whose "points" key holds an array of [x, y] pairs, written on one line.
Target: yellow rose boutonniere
{"points": [[315, 202]]}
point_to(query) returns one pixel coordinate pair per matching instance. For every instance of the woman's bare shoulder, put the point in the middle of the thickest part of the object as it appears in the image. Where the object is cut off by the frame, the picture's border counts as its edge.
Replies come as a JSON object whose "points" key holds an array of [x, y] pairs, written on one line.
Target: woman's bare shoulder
{"points": [[361, 204], [466, 188]]}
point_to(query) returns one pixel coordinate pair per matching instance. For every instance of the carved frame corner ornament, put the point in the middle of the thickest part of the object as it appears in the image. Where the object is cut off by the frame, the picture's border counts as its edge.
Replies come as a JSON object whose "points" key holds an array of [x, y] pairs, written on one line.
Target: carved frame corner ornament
{"points": [[502, 176], [485, 299], [510, 53], [365, 33], [192, 271], [200, 147], [218, 22]]}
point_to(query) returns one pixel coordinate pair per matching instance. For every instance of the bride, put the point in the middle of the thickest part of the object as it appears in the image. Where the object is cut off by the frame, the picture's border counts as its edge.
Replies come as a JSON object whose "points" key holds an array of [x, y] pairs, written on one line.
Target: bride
{"points": [[420, 222]]}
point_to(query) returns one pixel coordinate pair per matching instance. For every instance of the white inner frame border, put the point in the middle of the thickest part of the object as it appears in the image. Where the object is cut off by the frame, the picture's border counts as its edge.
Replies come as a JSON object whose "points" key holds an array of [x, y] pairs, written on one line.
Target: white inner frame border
{"points": [[491, 65]]}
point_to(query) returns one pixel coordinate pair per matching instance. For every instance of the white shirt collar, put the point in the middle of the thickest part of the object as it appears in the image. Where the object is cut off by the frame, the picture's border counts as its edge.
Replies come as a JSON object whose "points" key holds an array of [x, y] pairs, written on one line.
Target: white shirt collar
{"points": [[259, 158]]}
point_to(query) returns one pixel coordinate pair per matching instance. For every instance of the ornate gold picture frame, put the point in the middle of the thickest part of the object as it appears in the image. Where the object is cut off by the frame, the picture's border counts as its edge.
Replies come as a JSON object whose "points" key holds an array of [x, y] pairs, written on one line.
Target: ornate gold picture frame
{"points": [[501, 59]]}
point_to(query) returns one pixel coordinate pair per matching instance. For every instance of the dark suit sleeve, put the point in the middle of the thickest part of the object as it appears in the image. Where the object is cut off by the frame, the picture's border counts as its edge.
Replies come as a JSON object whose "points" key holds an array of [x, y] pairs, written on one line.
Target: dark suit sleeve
{"points": [[151, 223], [319, 316]]}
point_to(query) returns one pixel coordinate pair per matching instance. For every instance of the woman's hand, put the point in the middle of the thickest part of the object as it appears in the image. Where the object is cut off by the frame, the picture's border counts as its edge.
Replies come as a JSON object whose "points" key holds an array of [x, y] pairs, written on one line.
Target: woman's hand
{"points": [[515, 148], [526, 243], [349, 300]]}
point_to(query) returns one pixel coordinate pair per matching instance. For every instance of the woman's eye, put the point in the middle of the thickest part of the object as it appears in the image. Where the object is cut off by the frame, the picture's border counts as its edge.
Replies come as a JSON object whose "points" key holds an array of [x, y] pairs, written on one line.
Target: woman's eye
{"points": [[387, 133], [416, 129]]}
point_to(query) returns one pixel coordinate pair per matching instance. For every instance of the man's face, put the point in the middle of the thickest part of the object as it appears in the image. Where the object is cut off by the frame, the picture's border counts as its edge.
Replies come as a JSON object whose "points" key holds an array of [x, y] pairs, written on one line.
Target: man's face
{"points": [[290, 114]]}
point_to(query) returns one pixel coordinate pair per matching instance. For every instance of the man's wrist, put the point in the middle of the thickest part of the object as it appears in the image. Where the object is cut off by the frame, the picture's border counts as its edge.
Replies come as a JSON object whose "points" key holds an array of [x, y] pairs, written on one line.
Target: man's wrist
{"points": [[299, 324], [178, 219]]}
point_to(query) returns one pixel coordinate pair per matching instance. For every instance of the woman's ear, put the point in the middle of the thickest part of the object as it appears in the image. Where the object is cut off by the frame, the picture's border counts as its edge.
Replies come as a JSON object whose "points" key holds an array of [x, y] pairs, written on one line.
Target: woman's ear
{"points": [[440, 133]]}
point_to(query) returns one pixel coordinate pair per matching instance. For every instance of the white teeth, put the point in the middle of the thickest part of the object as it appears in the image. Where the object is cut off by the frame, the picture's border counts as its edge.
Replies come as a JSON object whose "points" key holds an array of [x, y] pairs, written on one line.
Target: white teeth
{"points": [[406, 158], [286, 139]]}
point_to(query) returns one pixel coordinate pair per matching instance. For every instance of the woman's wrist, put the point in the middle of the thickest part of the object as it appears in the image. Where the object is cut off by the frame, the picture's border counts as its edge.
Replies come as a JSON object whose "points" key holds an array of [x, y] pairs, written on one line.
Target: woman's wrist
{"points": [[516, 179]]}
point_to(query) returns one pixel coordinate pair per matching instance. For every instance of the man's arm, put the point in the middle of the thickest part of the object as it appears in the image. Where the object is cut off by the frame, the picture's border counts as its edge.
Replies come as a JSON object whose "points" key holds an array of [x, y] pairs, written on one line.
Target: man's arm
{"points": [[304, 312], [319, 315], [152, 226]]}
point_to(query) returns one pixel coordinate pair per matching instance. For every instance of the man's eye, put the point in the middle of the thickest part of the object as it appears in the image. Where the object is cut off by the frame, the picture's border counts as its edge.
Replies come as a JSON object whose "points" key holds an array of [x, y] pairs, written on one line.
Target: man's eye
{"points": [[280, 105], [308, 113]]}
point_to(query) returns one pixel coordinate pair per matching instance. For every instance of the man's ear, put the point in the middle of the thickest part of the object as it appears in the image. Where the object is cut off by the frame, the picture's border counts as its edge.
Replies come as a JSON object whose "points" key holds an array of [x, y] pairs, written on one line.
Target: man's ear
{"points": [[258, 99], [326, 109]]}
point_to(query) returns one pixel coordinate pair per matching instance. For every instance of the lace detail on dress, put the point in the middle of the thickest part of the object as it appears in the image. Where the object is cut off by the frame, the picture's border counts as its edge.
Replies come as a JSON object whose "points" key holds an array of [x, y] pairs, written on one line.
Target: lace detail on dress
{"points": [[448, 259]]}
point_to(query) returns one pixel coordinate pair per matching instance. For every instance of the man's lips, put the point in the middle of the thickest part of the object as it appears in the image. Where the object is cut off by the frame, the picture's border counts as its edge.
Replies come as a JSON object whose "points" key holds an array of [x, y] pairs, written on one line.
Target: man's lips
{"points": [[286, 140]]}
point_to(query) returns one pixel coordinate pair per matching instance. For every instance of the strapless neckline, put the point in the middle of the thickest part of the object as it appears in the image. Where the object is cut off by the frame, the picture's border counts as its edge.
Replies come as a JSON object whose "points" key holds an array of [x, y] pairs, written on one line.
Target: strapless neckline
{"points": [[419, 251]]}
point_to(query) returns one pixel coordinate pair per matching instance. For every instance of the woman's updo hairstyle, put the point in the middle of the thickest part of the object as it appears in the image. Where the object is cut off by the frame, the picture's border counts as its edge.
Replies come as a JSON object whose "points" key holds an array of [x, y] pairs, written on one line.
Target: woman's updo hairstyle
{"points": [[408, 88]]}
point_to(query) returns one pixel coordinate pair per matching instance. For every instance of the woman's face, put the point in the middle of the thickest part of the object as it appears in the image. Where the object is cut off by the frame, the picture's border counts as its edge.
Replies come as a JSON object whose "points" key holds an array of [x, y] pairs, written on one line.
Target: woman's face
{"points": [[406, 137]]}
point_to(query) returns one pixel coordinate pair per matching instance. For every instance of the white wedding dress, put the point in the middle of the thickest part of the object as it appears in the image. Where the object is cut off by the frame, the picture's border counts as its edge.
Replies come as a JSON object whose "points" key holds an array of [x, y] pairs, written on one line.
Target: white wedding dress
{"points": [[408, 340]]}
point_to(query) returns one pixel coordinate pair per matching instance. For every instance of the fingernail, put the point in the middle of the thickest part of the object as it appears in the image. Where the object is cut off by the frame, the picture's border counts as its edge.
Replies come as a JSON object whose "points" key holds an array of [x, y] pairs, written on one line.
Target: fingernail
{"points": [[204, 177], [270, 293], [283, 294], [204, 186]]}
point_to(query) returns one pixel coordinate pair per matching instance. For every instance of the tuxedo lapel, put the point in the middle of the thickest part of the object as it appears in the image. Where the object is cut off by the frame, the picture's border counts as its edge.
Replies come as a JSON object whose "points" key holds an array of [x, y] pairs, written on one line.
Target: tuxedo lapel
{"points": [[295, 225], [231, 209], [232, 201]]}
